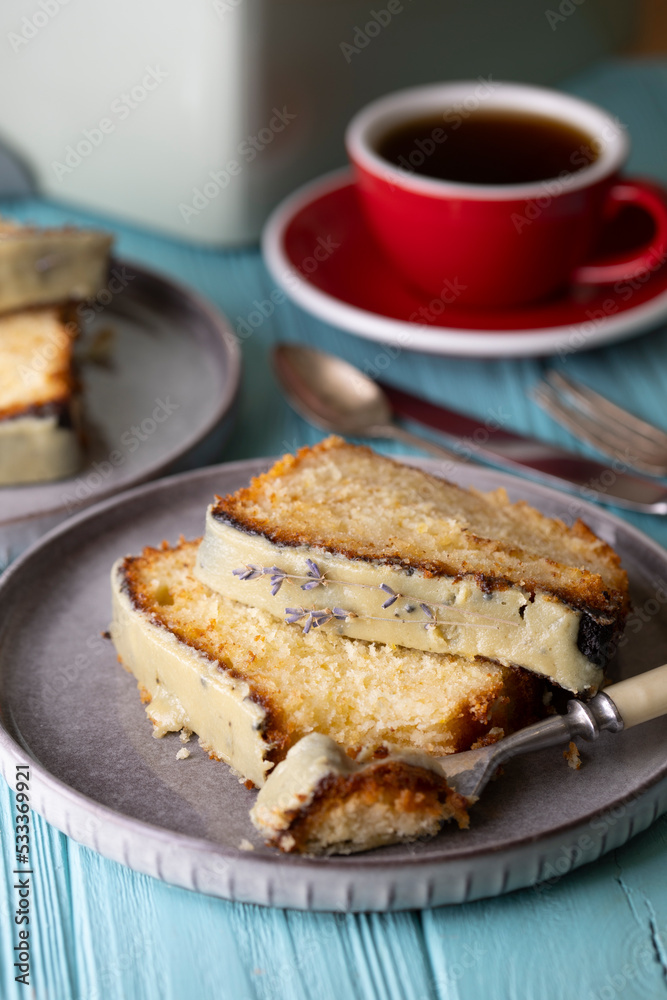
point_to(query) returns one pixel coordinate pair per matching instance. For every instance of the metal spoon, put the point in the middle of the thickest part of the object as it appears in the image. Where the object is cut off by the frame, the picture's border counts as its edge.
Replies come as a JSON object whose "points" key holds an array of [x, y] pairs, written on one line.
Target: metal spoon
{"points": [[336, 396]]}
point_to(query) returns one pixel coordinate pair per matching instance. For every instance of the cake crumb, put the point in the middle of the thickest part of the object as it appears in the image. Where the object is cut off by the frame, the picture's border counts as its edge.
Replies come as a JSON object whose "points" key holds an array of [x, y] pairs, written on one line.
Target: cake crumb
{"points": [[183, 753], [99, 350], [245, 845], [493, 736], [185, 735], [572, 756]]}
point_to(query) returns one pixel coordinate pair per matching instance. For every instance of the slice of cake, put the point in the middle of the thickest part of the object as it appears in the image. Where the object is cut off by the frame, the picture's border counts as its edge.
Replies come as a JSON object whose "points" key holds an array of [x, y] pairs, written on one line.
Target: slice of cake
{"points": [[39, 408], [387, 553], [251, 686], [320, 801], [44, 266]]}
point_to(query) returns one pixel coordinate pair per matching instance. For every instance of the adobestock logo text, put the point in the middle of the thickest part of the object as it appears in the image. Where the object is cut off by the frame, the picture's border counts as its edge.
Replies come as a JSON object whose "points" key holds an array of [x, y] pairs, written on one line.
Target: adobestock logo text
{"points": [[32, 24], [247, 150], [130, 440]]}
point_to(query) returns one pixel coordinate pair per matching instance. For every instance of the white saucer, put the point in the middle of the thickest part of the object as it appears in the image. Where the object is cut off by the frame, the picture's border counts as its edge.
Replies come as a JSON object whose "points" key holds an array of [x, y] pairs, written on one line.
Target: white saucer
{"points": [[318, 250]]}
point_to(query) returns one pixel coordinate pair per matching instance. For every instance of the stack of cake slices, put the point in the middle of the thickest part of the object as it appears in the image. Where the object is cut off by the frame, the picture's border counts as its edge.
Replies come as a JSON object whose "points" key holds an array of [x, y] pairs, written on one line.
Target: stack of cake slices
{"points": [[345, 621], [43, 273]]}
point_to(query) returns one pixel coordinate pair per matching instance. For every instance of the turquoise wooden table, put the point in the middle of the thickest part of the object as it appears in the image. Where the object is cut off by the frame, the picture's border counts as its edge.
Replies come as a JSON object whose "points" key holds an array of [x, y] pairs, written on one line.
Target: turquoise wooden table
{"points": [[101, 932]]}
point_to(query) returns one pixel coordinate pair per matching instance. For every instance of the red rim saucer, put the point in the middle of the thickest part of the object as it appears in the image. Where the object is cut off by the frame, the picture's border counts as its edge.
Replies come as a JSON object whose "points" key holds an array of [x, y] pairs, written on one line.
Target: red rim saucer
{"points": [[320, 252]]}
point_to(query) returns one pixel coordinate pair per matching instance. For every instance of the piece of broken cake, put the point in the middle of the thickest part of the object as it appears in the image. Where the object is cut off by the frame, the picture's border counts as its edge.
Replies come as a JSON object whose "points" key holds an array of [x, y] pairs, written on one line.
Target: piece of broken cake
{"points": [[417, 561], [40, 437], [319, 800], [46, 266], [43, 273]]}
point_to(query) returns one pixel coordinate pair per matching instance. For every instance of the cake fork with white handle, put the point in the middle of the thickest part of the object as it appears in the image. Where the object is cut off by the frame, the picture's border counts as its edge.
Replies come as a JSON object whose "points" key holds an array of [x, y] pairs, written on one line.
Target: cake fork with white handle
{"points": [[319, 801]]}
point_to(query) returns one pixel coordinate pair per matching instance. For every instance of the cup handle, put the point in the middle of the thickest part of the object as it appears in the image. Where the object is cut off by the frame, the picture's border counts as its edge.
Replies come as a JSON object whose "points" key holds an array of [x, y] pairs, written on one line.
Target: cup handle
{"points": [[652, 199]]}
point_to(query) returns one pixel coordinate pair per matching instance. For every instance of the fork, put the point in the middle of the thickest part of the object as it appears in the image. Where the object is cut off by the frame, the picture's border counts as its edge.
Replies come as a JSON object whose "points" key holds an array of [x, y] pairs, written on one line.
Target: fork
{"points": [[628, 703], [609, 428]]}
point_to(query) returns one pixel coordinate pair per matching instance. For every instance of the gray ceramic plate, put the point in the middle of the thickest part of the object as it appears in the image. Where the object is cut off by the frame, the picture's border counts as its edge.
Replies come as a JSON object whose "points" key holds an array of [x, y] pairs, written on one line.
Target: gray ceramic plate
{"points": [[99, 776], [159, 396]]}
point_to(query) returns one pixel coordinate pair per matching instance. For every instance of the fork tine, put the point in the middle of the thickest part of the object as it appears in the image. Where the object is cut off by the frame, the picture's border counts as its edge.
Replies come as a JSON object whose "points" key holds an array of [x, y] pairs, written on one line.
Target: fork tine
{"points": [[612, 442], [571, 418], [601, 406], [615, 433]]}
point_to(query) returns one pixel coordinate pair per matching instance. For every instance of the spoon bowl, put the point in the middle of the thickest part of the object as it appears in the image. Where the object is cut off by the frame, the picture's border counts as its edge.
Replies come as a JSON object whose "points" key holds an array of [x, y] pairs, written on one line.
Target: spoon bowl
{"points": [[329, 392], [336, 397]]}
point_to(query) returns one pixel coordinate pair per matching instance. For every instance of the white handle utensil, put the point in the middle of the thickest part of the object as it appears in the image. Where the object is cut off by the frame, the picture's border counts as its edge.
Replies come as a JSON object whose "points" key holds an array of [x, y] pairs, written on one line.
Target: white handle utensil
{"points": [[621, 706], [640, 698]]}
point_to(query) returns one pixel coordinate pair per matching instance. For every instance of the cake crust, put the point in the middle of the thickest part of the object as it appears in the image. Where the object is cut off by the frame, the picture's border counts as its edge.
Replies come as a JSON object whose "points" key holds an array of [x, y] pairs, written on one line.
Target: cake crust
{"points": [[494, 563]]}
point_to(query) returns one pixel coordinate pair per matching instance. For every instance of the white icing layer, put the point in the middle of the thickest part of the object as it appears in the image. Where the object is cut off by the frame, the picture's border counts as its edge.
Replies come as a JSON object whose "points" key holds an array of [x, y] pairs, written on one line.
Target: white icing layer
{"points": [[36, 449], [187, 689], [504, 625], [38, 267]]}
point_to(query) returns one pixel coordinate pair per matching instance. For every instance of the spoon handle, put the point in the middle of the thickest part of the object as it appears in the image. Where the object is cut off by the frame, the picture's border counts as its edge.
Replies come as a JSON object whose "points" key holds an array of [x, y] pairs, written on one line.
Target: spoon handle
{"points": [[407, 437]]}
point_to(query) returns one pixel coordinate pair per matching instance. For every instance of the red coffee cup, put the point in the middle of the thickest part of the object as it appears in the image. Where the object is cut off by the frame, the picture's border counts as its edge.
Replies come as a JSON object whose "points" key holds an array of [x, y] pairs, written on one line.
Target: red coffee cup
{"points": [[502, 244]]}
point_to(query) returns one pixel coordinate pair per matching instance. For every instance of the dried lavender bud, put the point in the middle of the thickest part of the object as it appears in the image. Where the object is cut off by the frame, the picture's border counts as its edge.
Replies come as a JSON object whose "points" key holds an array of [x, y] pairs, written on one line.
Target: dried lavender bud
{"points": [[308, 624], [320, 618], [393, 596], [274, 571], [248, 572]]}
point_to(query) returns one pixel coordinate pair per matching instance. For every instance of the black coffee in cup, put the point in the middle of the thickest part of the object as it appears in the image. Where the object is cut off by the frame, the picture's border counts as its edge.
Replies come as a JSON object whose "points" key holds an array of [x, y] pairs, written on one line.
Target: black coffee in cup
{"points": [[492, 146]]}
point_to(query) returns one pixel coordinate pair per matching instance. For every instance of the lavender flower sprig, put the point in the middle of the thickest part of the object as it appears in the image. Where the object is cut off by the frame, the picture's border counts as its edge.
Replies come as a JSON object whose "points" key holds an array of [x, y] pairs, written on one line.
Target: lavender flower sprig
{"points": [[431, 615], [277, 577], [393, 596], [316, 577], [314, 618], [248, 572]]}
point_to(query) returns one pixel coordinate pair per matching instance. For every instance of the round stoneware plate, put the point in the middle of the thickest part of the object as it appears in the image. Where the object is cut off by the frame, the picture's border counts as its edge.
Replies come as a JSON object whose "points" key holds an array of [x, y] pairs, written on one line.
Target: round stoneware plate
{"points": [[160, 369], [98, 774]]}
